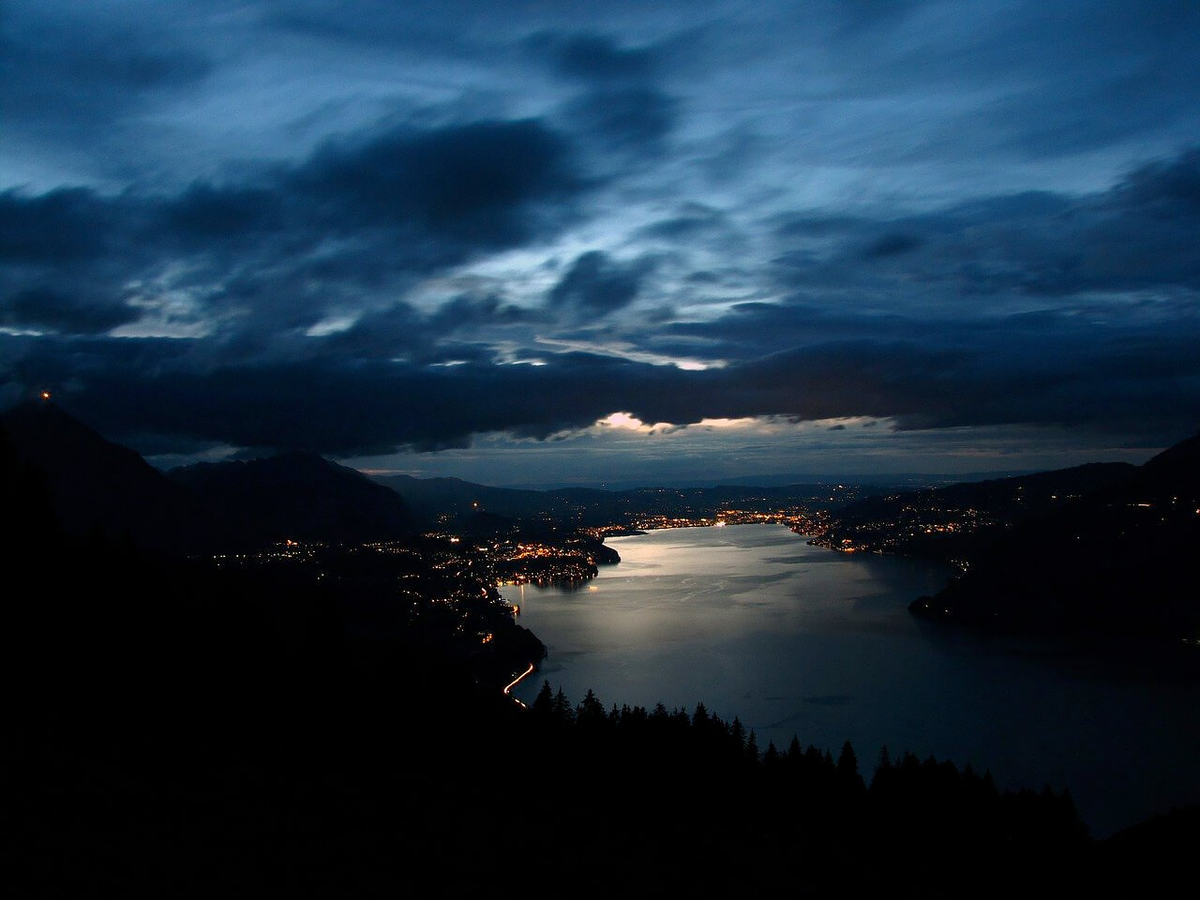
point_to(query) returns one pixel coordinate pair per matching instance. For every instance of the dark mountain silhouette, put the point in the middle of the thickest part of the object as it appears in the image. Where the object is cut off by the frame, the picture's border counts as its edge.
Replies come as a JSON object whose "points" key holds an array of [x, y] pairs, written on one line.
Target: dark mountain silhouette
{"points": [[598, 507], [1175, 469], [959, 521], [102, 490], [488, 524], [452, 501], [179, 728], [108, 493], [297, 496], [1119, 559]]}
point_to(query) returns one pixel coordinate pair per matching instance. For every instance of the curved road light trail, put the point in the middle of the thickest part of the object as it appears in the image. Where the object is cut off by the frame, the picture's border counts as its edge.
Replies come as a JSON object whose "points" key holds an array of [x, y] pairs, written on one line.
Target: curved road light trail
{"points": [[512, 684]]}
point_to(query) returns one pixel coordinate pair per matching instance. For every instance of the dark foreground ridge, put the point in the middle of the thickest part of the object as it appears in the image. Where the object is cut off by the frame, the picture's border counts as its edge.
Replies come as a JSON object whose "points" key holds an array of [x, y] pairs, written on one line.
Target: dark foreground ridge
{"points": [[1119, 559], [176, 729], [958, 522], [102, 490]]}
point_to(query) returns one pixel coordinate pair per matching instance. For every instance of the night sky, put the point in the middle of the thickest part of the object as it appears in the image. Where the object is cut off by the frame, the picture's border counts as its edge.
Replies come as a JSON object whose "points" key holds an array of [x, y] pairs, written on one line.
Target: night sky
{"points": [[550, 242]]}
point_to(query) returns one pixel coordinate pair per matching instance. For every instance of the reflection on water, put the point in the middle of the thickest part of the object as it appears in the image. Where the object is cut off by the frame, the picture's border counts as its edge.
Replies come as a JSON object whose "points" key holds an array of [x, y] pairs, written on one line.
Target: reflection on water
{"points": [[798, 640]]}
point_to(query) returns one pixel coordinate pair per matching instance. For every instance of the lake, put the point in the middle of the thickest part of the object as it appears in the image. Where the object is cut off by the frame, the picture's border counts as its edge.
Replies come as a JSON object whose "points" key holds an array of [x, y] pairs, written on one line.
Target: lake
{"points": [[794, 639]]}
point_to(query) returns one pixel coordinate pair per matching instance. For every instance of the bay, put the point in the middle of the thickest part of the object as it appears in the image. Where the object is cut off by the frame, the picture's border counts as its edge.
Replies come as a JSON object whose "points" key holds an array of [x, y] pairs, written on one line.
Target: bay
{"points": [[794, 639]]}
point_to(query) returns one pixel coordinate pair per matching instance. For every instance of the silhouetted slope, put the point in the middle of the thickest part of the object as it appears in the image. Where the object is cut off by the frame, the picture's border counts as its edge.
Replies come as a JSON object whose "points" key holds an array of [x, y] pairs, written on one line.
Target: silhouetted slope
{"points": [[297, 496], [201, 730], [1176, 468], [1122, 558], [103, 490], [958, 521], [1158, 845], [452, 499]]}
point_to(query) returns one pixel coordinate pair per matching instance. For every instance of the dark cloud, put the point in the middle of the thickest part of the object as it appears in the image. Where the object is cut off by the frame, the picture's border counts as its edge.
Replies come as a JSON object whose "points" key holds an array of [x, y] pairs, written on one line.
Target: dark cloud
{"points": [[335, 405], [362, 214], [120, 61], [88, 66], [809, 224], [205, 213], [1137, 235], [474, 183], [891, 245], [402, 331], [354, 217], [386, 333], [1165, 188], [60, 226], [852, 18], [595, 57], [384, 381], [597, 285], [753, 329], [694, 222], [78, 78], [622, 106], [43, 308], [1130, 68], [629, 119], [466, 313], [344, 404], [1043, 79]]}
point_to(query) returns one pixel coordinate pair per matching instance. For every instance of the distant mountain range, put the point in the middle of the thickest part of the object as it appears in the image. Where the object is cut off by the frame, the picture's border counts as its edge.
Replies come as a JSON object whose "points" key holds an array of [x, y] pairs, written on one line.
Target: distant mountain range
{"points": [[958, 521], [450, 500], [1108, 546], [1119, 558], [880, 481], [301, 496], [101, 490], [108, 492]]}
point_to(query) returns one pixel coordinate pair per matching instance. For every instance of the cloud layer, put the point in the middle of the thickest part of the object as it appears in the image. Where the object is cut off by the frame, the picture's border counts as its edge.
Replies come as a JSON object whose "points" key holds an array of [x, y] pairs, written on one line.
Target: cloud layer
{"points": [[363, 230]]}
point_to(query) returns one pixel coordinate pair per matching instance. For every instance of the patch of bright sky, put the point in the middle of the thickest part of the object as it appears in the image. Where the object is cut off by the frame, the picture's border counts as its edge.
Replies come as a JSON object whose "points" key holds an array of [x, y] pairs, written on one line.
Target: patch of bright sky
{"points": [[630, 423], [511, 353], [661, 456], [331, 325], [622, 350], [215, 454], [166, 312]]}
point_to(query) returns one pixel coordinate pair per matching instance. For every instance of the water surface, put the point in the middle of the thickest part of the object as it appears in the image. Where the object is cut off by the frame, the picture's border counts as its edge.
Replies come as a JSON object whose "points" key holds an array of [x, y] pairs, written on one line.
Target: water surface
{"points": [[795, 639]]}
